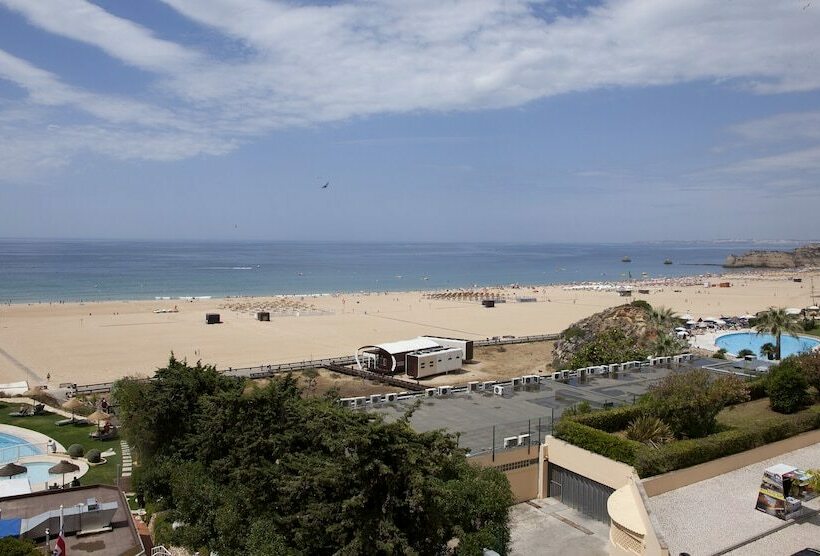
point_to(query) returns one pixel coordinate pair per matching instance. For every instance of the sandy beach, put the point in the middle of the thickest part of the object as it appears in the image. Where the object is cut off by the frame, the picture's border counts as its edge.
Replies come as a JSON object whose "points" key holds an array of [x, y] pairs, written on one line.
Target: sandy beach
{"points": [[101, 341]]}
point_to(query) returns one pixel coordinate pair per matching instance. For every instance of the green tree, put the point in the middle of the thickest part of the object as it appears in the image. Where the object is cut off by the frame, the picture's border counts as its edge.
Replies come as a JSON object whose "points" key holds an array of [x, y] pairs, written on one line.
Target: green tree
{"points": [[610, 346], [690, 401], [267, 471], [666, 344], [663, 318], [787, 387], [768, 350], [744, 352], [719, 354], [810, 365], [10, 546], [776, 321]]}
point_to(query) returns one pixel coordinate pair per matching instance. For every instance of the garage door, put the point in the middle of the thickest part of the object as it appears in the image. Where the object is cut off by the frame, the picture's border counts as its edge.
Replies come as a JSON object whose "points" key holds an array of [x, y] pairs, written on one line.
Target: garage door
{"points": [[579, 493]]}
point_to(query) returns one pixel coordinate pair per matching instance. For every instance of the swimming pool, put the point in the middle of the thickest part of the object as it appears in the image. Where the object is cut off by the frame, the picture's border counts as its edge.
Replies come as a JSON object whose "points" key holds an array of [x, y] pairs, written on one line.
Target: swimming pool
{"points": [[13, 447], [789, 345]]}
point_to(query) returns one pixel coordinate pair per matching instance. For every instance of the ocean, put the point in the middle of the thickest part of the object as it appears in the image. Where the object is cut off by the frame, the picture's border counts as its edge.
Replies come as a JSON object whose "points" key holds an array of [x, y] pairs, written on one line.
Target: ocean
{"points": [[49, 270]]}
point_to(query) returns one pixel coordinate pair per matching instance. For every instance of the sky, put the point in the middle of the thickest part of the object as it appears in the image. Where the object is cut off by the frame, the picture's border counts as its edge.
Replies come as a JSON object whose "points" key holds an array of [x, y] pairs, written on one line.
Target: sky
{"points": [[432, 120]]}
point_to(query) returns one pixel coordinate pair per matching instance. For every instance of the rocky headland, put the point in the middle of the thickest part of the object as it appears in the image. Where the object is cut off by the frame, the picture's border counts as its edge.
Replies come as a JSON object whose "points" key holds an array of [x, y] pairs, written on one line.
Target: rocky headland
{"points": [[808, 255]]}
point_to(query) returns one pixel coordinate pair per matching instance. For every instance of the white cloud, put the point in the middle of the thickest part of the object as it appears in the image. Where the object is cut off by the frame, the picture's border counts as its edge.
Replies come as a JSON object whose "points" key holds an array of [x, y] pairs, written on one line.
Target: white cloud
{"points": [[308, 64], [88, 23]]}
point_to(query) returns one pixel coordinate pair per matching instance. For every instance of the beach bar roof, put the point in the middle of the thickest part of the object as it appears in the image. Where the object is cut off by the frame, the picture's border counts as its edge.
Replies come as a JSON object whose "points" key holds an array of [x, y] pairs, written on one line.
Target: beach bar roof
{"points": [[406, 346]]}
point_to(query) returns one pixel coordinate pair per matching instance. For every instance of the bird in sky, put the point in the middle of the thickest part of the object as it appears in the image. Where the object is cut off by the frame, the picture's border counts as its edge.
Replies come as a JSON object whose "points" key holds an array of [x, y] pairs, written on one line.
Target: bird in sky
{"points": [[325, 185]]}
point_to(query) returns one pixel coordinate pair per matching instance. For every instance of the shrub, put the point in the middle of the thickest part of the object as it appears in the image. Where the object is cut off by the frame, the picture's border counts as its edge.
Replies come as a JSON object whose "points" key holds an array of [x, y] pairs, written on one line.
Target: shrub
{"points": [[757, 388], [649, 430], [810, 365], [787, 387], [719, 354], [744, 352], [572, 332], [611, 420], [600, 442], [642, 304], [689, 402], [76, 450], [611, 345], [686, 453], [578, 409], [93, 456]]}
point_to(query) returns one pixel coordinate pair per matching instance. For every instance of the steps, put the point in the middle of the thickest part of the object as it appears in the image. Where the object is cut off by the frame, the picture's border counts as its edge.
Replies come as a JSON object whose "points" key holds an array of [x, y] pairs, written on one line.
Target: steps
{"points": [[127, 462]]}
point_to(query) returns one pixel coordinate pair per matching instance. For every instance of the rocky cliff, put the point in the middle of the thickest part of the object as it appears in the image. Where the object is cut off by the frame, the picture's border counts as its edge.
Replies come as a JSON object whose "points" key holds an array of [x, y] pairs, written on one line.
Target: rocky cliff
{"points": [[808, 255], [632, 320]]}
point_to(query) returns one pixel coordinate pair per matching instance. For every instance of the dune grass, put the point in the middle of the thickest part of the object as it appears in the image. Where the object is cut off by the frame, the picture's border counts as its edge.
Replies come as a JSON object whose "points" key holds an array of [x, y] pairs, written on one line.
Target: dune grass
{"points": [[68, 435]]}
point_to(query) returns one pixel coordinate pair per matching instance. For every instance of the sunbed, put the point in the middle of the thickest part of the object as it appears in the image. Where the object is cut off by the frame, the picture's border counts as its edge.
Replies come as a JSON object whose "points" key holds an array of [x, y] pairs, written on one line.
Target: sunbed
{"points": [[72, 421]]}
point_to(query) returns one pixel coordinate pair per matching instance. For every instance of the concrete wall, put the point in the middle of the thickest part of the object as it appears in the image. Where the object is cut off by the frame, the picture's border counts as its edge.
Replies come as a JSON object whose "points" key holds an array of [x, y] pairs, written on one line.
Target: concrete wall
{"points": [[603, 470], [648, 541], [516, 464], [683, 477]]}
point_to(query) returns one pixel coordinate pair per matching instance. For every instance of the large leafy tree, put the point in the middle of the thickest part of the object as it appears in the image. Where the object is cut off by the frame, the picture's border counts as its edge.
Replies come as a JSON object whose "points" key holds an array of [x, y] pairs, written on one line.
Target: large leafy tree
{"points": [[610, 346], [810, 365], [689, 402], [262, 470], [776, 321], [787, 386]]}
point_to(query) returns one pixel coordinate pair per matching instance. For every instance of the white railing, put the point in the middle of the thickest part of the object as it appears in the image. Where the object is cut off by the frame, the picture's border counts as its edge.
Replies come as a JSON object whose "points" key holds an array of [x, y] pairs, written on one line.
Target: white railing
{"points": [[160, 551], [13, 453]]}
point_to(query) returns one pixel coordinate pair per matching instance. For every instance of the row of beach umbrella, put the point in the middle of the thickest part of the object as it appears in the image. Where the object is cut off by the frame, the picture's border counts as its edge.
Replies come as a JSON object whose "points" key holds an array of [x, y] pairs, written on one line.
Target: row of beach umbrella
{"points": [[65, 466]]}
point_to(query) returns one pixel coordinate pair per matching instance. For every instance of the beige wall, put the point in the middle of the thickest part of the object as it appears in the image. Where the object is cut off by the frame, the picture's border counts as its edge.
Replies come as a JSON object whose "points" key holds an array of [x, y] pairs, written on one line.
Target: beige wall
{"points": [[683, 477], [608, 472], [524, 480]]}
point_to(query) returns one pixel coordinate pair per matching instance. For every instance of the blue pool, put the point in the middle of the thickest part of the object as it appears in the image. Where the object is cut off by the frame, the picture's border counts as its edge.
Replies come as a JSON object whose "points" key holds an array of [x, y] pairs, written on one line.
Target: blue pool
{"points": [[12, 448], [734, 343]]}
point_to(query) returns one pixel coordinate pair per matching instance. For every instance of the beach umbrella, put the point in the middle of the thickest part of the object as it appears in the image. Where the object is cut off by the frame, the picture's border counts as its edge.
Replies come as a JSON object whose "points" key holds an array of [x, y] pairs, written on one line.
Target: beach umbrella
{"points": [[62, 468], [691, 322], [792, 311], [12, 469], [813, 308], [30, 393], [747, 317], [73, 405], [98, 416]]}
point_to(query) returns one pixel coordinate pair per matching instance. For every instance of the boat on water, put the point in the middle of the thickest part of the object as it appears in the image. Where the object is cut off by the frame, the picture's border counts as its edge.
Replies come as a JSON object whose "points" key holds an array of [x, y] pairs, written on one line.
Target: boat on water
{"points": [[667, 261], [626, 260]]}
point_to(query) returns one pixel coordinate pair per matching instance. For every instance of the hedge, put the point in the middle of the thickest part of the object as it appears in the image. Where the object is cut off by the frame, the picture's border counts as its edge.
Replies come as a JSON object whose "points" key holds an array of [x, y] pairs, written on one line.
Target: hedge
{"points": [[685, 453], [757, 388], [611, 420], [600, 442]]}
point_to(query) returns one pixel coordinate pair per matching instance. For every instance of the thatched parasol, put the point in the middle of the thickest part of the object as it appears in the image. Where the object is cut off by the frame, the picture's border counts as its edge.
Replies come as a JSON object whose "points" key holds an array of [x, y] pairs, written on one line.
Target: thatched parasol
{"points": [[12, 469], [73, 405], [99, 416], [62, 468], [31, 392]]}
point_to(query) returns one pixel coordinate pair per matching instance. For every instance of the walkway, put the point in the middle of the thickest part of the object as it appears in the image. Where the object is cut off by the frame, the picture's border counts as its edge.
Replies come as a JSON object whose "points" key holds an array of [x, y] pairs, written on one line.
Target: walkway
{"points": [[127, 463]]}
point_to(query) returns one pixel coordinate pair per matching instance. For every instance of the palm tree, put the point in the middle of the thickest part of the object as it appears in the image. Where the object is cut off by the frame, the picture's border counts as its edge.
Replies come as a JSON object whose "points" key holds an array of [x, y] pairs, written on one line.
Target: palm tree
{"points": [[663, 318], [768, 350], [649, 430], [666, 344], [776, 321]]}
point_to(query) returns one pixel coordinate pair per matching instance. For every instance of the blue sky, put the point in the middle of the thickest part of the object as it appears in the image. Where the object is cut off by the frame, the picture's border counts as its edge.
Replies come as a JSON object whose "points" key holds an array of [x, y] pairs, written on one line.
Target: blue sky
{"points": [[434, 120]]}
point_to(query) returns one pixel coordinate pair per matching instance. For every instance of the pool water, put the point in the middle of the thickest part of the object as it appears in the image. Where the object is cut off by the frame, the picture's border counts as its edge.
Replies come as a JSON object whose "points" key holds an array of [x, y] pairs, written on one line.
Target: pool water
{"points": [[789, 345], [13, 447]]}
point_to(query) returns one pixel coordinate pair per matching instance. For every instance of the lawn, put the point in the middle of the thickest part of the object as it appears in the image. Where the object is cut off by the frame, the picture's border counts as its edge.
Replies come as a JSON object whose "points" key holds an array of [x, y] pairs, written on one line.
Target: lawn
{"points": [[753, 414], [68, 435]]}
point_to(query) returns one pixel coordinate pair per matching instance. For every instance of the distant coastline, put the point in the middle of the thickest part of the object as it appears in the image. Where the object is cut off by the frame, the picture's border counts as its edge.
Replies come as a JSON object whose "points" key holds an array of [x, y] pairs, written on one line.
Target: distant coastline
{"points": [[74, 271]]}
